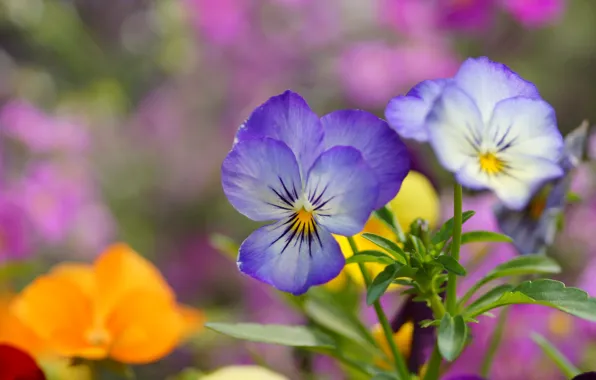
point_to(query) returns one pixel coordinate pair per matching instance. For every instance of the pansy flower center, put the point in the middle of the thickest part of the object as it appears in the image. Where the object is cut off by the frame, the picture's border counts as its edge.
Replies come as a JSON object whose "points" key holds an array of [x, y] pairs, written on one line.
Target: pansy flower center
{"points": [[490, 163]]}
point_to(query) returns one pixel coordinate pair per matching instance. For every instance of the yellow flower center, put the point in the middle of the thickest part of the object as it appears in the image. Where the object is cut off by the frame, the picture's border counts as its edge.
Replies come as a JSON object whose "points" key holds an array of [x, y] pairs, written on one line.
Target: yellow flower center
{"points": [[303, 217], [98, 336], [490, 163]]}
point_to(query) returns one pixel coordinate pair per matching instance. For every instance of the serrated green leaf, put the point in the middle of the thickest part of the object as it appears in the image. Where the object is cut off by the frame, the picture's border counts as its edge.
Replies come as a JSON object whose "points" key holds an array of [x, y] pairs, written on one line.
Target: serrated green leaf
{"points": [[453, 333], [388, 245], [484, 236], [451, 265], [381, 283], [545, 292], [446, 230], [370, 256], [292, 336], [566, 367]]}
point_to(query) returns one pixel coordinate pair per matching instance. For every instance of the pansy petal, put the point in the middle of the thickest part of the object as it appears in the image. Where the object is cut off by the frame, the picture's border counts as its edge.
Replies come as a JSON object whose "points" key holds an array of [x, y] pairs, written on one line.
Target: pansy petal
{"points": [[407, 114], [489, 82], [342, 189], [146, 327], [119, 271], [261, 178], [380, 147], [525, 126], [455, 128], [523, 178], [287, 262], [288, 118]]}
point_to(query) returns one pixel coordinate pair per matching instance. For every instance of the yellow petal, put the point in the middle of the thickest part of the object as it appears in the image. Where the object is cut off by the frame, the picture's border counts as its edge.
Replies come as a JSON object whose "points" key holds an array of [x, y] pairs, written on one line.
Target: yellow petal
{"points": [[193, 319], [119, 271], [417, 198], [15, 333], [246, 372], [146, 326], [403, 340], [59, 313], [80, 275]]}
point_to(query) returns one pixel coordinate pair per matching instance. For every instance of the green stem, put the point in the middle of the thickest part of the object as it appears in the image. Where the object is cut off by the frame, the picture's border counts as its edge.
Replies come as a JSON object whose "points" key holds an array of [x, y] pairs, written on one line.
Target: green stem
{"points": [[400, 364], [451, 300], [494, 343], [434, 365], [437, 306]]}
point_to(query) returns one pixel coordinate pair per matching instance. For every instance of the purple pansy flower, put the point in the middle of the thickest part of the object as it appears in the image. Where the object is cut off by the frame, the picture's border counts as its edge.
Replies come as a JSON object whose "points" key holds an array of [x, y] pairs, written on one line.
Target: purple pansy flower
{"points": [[15, 243], [314, 177], [488, 126], [533, 229]]}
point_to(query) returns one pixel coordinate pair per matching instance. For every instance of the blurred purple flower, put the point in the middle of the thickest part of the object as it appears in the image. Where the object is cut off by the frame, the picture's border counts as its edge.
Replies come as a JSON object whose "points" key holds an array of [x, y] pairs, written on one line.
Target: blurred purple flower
{"points": [[51, 199], [41, 133], [414, 18], [15, 240], [466, 15], [535, 13], [221, 22], [371, 72]]}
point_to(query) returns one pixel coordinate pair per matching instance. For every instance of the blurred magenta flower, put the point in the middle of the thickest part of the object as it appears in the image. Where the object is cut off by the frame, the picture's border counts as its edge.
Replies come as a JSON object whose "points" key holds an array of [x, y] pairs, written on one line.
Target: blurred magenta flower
{"points": [[535, 13], [222, 22], [15, 236], [466, 15], [40, 132], [52, 198], [315, 177], [519, 357]]}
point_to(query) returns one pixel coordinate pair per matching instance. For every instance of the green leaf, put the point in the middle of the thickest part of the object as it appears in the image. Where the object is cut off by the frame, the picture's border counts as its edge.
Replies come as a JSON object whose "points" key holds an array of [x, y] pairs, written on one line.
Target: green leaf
{"points": [[370, 256], [327, 314], [488, 298], [518, 266], [388, 245], [446, 230], [386, 215], [418, 245], [384, 376], [451, 265], [453, 333], [381, 283], [568, 369], [573, 197], [545, 292], [484, 236], [292, 336]]}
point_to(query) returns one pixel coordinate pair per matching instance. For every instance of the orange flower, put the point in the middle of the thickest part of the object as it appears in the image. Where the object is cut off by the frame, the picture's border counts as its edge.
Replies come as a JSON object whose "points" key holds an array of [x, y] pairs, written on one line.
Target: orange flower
{"points": [[119, 307]]}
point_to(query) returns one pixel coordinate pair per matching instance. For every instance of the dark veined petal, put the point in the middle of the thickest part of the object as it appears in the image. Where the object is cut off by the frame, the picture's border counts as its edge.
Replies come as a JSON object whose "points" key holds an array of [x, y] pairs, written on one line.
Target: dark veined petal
{"points": [[288, 118], [585, 376], [291, 255], [380, 147], [17, 364], [533, 228], [488, 82], [406, 114], [261, 179], [342, 189]]}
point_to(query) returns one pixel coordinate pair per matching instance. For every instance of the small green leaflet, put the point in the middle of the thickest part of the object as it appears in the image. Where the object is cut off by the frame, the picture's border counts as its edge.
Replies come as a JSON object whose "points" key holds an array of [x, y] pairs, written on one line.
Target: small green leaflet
{"points": [[381, 283], [388, 245], [451, 265], [484, 236], [292, 336], [453, 333], [370, 256], [446, 230]]}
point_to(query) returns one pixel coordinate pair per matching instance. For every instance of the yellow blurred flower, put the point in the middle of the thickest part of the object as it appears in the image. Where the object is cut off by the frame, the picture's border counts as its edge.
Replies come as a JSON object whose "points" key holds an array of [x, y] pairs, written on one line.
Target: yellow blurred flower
{"points": [[403, 340], [417, 198], [243, 372], [120, 307]]}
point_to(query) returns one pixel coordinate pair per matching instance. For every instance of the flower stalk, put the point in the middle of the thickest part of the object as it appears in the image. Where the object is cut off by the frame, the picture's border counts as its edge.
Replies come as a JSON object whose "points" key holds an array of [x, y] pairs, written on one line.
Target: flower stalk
{"points": [[451, 299], [400, 363]]}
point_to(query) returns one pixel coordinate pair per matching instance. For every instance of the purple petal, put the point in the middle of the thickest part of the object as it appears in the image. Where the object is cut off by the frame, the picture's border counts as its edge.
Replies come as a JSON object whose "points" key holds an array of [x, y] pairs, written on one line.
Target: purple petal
{"points": [[466, 377], [342, 189], [261, 178], [455, 128], [380, 147], [489, 82], [288, 118], [406, 114], [274, 255]]}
